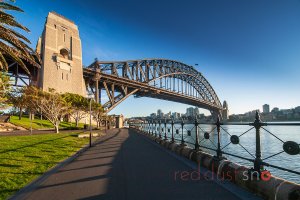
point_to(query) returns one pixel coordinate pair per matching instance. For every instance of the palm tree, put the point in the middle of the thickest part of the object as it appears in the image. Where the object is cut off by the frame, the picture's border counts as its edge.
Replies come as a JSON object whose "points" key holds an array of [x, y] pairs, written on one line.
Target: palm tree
{"points": [[13, 44]]}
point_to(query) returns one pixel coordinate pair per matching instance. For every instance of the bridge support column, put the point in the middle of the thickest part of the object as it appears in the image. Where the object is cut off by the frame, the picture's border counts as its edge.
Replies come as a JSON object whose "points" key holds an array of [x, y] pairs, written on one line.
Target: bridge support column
{"points": [[119, 121], [97, 91]]}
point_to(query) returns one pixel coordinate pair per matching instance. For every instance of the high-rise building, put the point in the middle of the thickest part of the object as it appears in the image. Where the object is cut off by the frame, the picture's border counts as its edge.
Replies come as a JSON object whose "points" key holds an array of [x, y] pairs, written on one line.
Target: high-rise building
{"points": [[190, 112], [175, 115], [168, 115], [160, 114], [225, 112], [266, 108], [153, 115], [196, 111]]}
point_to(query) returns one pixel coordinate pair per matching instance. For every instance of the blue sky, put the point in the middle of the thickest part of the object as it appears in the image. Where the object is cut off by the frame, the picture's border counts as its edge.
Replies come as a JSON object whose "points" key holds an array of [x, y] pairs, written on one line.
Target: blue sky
{"points": [[248, 50]]}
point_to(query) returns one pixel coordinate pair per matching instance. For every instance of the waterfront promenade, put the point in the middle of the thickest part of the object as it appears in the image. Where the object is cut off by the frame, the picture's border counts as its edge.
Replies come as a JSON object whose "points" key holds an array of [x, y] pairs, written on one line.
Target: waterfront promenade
{"points": [[126, 165]]}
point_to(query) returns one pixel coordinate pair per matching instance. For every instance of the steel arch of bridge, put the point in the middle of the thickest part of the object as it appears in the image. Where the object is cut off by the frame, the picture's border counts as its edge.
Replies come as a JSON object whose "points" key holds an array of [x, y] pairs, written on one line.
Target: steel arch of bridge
{"points": [[157, 78]]}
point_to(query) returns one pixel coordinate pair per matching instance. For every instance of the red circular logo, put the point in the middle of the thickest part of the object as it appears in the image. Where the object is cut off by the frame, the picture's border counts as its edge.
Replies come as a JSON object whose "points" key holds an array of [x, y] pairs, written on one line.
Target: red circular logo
{"points": [[265, 175]]}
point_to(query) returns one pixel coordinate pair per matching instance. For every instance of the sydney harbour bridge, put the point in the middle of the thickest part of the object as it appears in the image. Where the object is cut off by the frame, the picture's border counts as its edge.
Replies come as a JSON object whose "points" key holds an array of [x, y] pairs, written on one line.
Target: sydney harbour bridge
{"points": [[61, 69], [156, 78]]}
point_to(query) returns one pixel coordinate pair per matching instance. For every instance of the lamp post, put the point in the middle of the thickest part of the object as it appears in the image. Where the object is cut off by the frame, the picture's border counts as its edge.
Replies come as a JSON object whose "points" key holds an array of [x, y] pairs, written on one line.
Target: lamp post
{"points": [[30, 122], [105, 124], [91, 121]]}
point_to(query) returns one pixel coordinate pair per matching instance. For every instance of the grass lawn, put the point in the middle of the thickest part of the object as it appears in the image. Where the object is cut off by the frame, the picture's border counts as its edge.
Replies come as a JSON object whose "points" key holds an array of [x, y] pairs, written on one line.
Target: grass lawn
{"points": [[40, 124], [24, 158]]}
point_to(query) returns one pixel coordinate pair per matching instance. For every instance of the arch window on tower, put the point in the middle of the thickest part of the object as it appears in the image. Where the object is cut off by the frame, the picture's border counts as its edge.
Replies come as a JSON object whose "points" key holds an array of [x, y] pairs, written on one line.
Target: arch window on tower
{"points": [[65, 53]]}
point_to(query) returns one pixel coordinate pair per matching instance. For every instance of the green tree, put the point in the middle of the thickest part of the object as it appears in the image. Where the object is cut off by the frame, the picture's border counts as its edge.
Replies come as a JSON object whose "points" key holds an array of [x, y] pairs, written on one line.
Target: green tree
{"points": [[79, 106], [18, 100], [4, 89], [14, 45], [109, 121], [51, 104], [98, 113]]}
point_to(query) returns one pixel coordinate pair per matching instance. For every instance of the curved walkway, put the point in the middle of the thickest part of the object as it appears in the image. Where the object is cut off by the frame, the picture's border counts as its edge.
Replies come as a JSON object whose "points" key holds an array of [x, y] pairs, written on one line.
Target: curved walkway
{"points": [[125, 165]]}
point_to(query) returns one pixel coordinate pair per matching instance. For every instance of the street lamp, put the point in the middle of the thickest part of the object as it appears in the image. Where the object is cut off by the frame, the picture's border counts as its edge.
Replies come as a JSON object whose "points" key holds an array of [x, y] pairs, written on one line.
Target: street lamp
{"points": [[91, 121], [30, 115], [105, 123]]}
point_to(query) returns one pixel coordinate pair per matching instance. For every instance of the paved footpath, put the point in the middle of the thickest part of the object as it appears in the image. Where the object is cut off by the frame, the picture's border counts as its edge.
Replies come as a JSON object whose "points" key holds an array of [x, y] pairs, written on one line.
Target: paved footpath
{"points": [[124, 165]]}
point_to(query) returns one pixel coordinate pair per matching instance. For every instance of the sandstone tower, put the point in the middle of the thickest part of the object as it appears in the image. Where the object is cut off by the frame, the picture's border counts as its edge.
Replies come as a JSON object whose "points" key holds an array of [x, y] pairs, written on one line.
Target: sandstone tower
{"points": [[60, 50], [225, 113]]}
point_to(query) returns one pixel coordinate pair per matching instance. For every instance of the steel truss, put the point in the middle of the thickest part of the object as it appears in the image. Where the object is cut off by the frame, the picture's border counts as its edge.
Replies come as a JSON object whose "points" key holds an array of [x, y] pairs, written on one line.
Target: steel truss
{"points": [[19, 77], [156, 78]]}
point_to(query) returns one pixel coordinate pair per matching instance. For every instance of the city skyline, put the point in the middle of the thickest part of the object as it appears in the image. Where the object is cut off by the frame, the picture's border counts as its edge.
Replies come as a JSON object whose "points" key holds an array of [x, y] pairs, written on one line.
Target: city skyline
{"points": [[244, 71], [263, 110]]}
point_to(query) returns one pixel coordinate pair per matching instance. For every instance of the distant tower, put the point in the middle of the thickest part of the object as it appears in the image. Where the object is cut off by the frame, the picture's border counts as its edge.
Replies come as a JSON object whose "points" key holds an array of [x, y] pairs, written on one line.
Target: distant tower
{"points": [[266, 108], [159, 113], [196, 112], [225, 113], [60, 50]]}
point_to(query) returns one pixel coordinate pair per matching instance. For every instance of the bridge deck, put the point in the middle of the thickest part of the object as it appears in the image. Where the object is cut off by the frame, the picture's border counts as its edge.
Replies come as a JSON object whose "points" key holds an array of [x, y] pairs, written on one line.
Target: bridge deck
{"points": [[125, 165]]}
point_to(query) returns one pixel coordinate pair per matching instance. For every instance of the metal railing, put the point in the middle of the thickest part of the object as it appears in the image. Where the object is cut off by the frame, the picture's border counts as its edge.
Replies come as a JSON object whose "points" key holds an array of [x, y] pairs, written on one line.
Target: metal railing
{"points": [[178, 132]]}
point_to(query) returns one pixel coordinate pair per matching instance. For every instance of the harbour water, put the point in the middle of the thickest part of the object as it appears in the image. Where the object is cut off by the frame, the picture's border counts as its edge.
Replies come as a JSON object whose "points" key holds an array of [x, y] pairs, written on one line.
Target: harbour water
{"points": [[270, 145]]}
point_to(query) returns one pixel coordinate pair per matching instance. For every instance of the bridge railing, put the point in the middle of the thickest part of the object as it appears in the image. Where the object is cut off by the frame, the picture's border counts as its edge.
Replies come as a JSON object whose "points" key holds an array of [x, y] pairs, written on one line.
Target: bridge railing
{"points": [[244, 144]]}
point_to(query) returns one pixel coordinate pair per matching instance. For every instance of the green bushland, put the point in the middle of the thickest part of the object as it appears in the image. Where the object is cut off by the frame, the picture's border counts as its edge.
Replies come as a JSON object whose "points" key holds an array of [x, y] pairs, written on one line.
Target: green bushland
{"points": [[42, 124], [24, 158]]}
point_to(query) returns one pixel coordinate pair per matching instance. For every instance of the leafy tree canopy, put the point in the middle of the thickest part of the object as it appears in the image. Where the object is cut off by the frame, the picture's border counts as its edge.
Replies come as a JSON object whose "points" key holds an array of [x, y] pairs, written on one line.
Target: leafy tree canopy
{"points": [[4, 89]]}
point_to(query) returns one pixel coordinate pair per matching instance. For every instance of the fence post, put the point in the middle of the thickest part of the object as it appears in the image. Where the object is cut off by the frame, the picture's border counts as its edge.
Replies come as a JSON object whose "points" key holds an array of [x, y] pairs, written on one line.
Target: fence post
{"points": [[166, 129], [143, 126], [197, 139], [219, 151], [258, 161], [182, 126], [172, 123], [152, 127], [159, 128], [155, 130]]}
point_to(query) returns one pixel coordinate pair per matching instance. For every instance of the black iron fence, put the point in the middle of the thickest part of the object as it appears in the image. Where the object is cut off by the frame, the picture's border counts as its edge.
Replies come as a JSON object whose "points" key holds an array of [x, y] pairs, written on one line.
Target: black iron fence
{"points": [[189, 134]]}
